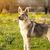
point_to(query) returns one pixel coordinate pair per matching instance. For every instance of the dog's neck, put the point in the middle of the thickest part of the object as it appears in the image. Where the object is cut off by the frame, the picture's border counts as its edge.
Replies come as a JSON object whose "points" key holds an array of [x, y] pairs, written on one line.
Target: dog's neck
{"points": [[23, 24]]}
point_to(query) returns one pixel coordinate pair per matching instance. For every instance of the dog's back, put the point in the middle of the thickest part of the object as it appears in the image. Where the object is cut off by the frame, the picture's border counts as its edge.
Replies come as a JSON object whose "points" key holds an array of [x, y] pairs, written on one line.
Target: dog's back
{"points": [[38, 29]]}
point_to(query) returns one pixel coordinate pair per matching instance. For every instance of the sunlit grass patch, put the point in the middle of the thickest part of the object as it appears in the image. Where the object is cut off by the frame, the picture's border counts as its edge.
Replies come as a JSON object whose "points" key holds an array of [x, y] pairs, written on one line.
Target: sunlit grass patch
{"points": [[39, 17]]}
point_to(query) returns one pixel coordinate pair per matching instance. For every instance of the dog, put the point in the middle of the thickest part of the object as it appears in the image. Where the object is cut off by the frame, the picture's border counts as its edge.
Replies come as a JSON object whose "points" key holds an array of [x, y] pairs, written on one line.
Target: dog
{"points": [[29, 28]]}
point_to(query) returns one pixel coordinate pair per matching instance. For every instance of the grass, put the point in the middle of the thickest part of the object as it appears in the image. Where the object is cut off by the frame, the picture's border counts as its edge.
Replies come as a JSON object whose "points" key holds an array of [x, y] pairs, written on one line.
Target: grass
{"points": [[10, 37]]}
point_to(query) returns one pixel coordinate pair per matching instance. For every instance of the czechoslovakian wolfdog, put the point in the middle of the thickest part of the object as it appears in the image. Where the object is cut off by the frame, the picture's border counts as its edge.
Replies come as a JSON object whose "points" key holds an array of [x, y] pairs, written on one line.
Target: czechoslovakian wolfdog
{"points": [[29, 28]]}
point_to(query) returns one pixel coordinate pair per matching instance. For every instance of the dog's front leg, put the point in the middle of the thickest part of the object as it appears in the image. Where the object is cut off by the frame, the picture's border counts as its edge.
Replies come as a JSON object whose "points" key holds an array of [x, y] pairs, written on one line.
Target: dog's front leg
{"points": [[26, 43], [28, 46]]}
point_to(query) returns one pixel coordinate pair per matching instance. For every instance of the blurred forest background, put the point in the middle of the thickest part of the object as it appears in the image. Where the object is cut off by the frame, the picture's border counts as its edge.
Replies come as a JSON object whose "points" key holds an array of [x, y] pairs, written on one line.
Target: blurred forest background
{"points": [[8, 5], [12, 5]]}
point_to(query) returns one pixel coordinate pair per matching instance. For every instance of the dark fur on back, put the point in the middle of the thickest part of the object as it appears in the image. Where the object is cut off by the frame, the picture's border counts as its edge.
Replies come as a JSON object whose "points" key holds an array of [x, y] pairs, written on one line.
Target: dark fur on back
{"points": [[40, 29]]}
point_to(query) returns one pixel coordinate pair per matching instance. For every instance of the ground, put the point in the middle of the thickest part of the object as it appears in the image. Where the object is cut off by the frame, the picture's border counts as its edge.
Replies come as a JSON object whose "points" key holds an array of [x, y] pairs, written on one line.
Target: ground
{"points": [[10, 37]]}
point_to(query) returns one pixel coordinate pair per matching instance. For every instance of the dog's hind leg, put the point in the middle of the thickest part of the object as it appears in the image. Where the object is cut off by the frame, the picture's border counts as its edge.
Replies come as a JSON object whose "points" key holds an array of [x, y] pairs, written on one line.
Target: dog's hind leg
{"points": [[26, 43]]}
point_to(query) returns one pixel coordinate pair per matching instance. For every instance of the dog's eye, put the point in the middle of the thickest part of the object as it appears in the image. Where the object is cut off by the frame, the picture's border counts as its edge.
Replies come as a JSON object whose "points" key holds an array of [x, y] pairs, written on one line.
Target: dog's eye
{"points": [[23, 14]]}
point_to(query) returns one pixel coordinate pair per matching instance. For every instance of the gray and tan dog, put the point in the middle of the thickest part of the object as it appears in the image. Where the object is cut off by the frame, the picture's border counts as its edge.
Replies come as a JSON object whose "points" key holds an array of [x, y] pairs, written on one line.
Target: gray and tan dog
{"points": [[29, 28]]}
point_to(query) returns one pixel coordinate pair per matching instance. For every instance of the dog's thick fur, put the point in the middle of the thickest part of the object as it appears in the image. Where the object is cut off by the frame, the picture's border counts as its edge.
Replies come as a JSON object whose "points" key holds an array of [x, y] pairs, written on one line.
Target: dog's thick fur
{"points": [[29, 28]]}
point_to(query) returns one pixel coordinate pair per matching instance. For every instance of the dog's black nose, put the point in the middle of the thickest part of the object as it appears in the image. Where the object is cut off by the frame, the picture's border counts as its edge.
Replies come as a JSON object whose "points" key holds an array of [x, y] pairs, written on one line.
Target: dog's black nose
{"points": [[19, 17]]}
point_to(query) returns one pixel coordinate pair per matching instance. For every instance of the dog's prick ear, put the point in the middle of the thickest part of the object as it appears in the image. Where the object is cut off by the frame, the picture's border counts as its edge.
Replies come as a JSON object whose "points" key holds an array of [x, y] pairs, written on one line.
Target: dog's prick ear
{"points": [[26, 10], [19, 10]]}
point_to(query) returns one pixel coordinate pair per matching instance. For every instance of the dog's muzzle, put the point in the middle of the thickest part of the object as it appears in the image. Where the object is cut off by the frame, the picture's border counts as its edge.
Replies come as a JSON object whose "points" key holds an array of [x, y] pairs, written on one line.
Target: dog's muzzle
{"points": [[20, 18]]}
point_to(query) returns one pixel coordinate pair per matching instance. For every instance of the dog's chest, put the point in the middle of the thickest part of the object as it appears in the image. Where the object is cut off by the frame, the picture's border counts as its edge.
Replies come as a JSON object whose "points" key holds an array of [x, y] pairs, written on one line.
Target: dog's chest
{"points": [[22, 25], [23, 28]]}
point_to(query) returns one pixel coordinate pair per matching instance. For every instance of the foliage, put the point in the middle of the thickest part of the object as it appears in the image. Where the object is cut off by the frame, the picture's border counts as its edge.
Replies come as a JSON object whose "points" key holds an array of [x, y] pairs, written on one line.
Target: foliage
{"points": [[9, 5]]}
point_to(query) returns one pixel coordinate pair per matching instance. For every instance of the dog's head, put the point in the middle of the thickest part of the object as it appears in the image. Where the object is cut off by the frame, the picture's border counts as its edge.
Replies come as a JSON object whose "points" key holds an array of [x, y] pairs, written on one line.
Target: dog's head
{"points": [[22, 14]]}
